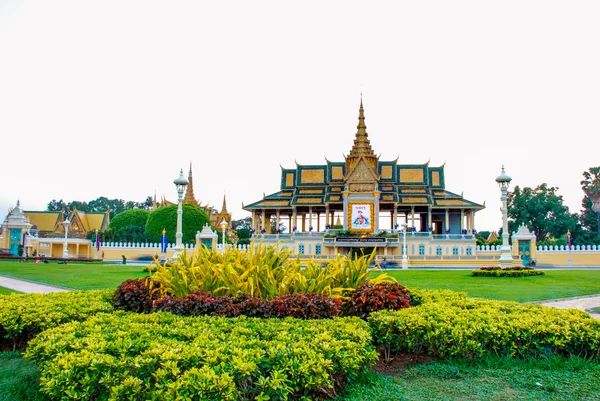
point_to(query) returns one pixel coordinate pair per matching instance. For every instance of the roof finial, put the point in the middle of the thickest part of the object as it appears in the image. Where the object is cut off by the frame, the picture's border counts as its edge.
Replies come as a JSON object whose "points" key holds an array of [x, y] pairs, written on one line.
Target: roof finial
{"points": [[190, 174]]}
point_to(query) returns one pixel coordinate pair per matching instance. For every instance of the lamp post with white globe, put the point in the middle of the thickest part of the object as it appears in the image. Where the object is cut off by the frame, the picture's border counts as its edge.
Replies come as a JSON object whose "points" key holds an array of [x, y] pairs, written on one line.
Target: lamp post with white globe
{"points": [[180, 183], [223, 228], [503, 181], [66, 244]]}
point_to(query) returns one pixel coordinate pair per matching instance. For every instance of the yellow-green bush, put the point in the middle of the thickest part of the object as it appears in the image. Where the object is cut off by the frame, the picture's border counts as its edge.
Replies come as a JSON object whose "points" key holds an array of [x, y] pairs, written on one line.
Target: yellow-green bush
{"points": [[262, 272], [126, 356], [506, 273], [452, 324], [22, 316]]}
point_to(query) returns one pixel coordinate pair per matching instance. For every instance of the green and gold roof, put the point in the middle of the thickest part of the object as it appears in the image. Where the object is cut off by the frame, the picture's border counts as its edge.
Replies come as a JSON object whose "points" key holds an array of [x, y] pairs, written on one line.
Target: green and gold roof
{"points": [[400, 184]]}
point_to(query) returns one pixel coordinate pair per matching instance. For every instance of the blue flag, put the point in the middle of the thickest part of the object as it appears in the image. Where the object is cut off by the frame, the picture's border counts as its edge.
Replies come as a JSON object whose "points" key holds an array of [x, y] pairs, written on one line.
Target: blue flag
{"points": [[163, 243]]}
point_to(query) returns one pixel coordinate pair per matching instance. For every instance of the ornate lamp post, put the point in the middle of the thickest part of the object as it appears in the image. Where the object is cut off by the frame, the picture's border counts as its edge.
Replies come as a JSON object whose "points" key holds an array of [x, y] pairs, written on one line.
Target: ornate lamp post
{"points": [[570, 263], [503, 181], [223, 228], [180, 183], [404, 249], [66, 245]]}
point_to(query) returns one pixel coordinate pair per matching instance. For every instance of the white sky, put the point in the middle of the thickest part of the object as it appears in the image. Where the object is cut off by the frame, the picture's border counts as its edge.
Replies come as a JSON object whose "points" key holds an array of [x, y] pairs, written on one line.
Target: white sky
{"points": [[112, 98]]}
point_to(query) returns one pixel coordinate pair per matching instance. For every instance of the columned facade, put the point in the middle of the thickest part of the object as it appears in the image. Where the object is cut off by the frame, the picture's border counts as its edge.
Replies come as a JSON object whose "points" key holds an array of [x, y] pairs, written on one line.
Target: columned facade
{"points": [[368, 196]]}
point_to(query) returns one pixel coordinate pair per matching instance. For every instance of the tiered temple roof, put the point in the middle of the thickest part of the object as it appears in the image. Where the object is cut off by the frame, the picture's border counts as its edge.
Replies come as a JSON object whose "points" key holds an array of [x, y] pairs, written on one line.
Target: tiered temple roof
{"points": [[398, 184]]}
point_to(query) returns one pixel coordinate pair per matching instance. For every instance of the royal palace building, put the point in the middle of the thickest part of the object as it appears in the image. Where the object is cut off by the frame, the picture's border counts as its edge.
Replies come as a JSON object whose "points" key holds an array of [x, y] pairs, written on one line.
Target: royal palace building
{"points": [[366, 202]]}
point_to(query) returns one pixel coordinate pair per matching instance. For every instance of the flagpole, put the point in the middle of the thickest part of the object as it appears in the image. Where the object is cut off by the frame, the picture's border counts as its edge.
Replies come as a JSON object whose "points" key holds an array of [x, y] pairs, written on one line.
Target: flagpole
{"points": [[163, 244]]}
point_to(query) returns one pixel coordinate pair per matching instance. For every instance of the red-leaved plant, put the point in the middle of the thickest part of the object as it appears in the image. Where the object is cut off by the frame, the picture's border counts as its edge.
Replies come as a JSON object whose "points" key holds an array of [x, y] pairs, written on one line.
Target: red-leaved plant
{"points": [[369, 298], [135, 296]]}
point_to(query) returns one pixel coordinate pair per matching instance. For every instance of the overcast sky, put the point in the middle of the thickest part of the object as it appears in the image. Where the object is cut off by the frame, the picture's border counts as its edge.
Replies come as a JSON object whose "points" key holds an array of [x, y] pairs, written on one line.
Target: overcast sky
{"points": [[112, 98]]}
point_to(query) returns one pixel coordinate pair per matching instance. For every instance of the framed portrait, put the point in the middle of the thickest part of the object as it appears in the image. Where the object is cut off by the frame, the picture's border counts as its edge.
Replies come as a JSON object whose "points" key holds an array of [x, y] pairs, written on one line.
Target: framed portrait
{"points": [[360, 217]]}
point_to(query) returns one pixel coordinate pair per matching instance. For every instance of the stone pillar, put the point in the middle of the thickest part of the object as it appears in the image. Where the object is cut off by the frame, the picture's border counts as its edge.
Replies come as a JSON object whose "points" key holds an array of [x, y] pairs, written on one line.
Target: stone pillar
{"points": [[262, 221], [447, 222], [318, 221], [412, 216], [295, 218], [429, 219], [462, 218], [277, 221], [395, 222], [310, 214], [327, 220], [289, 223], [473, 219], [303, 222]]}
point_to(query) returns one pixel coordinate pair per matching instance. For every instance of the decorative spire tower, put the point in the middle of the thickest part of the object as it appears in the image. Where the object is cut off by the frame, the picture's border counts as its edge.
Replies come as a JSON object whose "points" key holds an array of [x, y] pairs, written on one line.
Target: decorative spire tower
{"points": [[189, 198], [362, 146]]}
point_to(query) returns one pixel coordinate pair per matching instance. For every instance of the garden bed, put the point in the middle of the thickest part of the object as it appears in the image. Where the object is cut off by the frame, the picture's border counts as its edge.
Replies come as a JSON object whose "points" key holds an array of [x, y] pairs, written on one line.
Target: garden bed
{"points": [[513, 271]]}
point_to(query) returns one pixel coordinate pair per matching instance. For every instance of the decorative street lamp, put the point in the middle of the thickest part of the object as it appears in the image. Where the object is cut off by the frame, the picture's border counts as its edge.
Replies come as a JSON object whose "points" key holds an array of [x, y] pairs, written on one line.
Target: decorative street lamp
{"points": [[503, 181], [66, 245], [570, 263], [223, 228], [404, 249], [180, 183]]}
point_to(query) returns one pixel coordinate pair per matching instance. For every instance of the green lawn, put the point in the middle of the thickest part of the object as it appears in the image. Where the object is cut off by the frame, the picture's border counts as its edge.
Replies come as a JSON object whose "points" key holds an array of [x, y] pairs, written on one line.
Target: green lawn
{"points": [[6, 291], [597, 309], [491, 379], [554, 284], [82, 276]]}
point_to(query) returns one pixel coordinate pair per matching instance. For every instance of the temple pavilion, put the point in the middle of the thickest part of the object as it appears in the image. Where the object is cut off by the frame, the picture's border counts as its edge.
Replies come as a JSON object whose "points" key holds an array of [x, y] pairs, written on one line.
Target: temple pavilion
{"points": [[367, 196]]}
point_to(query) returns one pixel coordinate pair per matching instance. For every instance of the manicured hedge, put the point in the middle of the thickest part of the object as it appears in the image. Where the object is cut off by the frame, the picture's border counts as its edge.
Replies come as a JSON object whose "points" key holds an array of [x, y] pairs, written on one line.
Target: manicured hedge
{"points": [[22, 316], [451, 324], [507, 273], [162, 356]]}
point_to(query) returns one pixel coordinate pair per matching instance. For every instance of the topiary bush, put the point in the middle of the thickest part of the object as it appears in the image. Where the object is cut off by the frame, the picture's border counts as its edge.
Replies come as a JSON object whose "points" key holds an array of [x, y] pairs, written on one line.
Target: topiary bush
{"points": [[23, 316], [514, 271], [369, 298], [453, 325], [129, 225], [160, 356], [193, 219], [135, 295]]}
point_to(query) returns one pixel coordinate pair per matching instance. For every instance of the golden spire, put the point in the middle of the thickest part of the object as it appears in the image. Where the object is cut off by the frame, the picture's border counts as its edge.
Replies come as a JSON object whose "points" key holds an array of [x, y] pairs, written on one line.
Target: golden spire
{"points": [[189, 198], [362, 146], [224, 207]]}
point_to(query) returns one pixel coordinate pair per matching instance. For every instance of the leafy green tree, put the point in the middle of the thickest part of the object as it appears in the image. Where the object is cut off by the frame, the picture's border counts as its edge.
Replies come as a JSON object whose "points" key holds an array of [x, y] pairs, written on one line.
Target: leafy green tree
{"points": [[194, 219], [56, 206], [541, 209], [591, 187], [81, 206], [130, 225], [246, 222]]}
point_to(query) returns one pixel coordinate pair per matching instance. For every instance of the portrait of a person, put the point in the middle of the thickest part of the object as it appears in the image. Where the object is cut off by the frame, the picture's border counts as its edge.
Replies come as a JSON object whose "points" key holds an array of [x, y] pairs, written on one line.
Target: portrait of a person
{"points": [[361, 220]]}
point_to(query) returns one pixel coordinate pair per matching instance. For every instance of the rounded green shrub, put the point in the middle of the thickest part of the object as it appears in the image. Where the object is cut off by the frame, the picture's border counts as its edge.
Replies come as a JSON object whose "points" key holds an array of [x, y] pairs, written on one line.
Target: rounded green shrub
{"points": [[193, 220], [449, 324], [129, 225], [160, 356], [23, 316]]}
